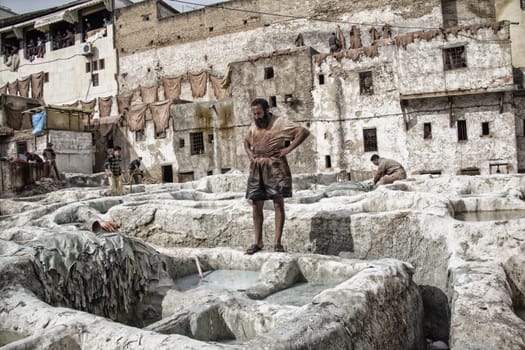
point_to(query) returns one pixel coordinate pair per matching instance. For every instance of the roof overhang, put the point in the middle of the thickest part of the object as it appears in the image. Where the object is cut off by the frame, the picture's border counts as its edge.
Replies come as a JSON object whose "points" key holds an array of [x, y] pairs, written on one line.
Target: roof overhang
{"points": [[451, 93], [64, 15], [67, 12]]}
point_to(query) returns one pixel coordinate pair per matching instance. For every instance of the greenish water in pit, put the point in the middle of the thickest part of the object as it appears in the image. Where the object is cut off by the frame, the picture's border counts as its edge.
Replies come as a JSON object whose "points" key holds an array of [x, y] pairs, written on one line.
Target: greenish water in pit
{"points": [[299, 294], [219, 279], [496, 215], [7, 337]]}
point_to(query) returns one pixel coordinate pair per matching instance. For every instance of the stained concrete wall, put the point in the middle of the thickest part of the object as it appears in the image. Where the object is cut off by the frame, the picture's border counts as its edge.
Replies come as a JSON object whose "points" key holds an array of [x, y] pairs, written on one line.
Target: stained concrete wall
{"points": [[151, 48], [185, 119], [155, 152], [291, 86], [478, 151], [465, 12], [73, 150], [140, 28], [420, 67], [510, 10], [342, 112], [144, 57], [219, 153]]}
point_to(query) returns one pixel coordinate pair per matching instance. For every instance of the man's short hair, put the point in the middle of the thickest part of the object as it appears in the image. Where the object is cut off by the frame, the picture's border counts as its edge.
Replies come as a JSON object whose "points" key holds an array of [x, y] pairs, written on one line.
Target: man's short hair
{"points": [[117, 148], [261, 102], [140, 158], [374, 157]]}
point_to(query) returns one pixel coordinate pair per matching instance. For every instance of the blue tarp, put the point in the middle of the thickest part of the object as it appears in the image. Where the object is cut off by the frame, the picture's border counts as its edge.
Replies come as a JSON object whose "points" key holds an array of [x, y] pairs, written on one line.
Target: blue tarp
{"points": [[39, 121]]}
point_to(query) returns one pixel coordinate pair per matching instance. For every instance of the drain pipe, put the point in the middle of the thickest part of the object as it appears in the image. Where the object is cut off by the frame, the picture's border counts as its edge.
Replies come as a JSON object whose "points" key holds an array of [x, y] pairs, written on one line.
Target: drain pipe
{"points": [[216, 156]]}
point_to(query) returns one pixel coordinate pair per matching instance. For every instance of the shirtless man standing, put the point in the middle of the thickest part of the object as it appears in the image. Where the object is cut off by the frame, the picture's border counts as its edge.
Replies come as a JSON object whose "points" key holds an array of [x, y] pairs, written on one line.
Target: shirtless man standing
{"points": [[266, 144]]}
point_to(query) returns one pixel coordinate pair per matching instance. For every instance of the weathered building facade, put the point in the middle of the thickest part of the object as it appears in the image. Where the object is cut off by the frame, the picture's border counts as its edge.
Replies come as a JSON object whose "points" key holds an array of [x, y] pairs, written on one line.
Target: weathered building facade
{"points": [[429, 96]]}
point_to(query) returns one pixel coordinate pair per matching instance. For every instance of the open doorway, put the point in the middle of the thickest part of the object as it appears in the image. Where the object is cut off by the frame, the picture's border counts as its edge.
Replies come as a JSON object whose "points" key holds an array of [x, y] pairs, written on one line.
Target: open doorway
{"points": [[167, 173]]}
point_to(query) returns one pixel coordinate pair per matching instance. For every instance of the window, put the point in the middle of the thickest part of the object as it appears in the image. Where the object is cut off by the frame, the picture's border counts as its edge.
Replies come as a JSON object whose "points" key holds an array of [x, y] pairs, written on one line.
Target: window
{"points": [[210, 29], [321, 79], [197, 143], [140, 135], [268, 73], [462, 130], [485, 129], [181, 143], [46, 77], [160, 135], [430, 172], [370, 140], [273, 101], [62, 35], [327, 162], [94, 79], [454, 58], [366, 86], [522, 4], [427, 131], [97, 65], [210, 138], [499, 168], [469, 171]]}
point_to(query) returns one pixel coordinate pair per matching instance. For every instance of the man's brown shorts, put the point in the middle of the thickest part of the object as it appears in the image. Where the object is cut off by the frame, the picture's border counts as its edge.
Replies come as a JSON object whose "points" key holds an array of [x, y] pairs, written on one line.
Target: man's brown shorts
{"points": [[269, 178]]}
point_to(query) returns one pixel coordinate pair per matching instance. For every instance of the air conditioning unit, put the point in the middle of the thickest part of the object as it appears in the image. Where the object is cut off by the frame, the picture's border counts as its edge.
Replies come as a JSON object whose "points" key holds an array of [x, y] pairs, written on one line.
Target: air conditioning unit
{"points": [[86, 49]]}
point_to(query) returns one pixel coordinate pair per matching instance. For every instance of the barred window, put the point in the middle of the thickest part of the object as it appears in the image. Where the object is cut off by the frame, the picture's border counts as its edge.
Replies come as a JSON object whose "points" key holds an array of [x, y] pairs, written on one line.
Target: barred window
{"points": [[454, 58], [197, 143], [370, 140]]}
